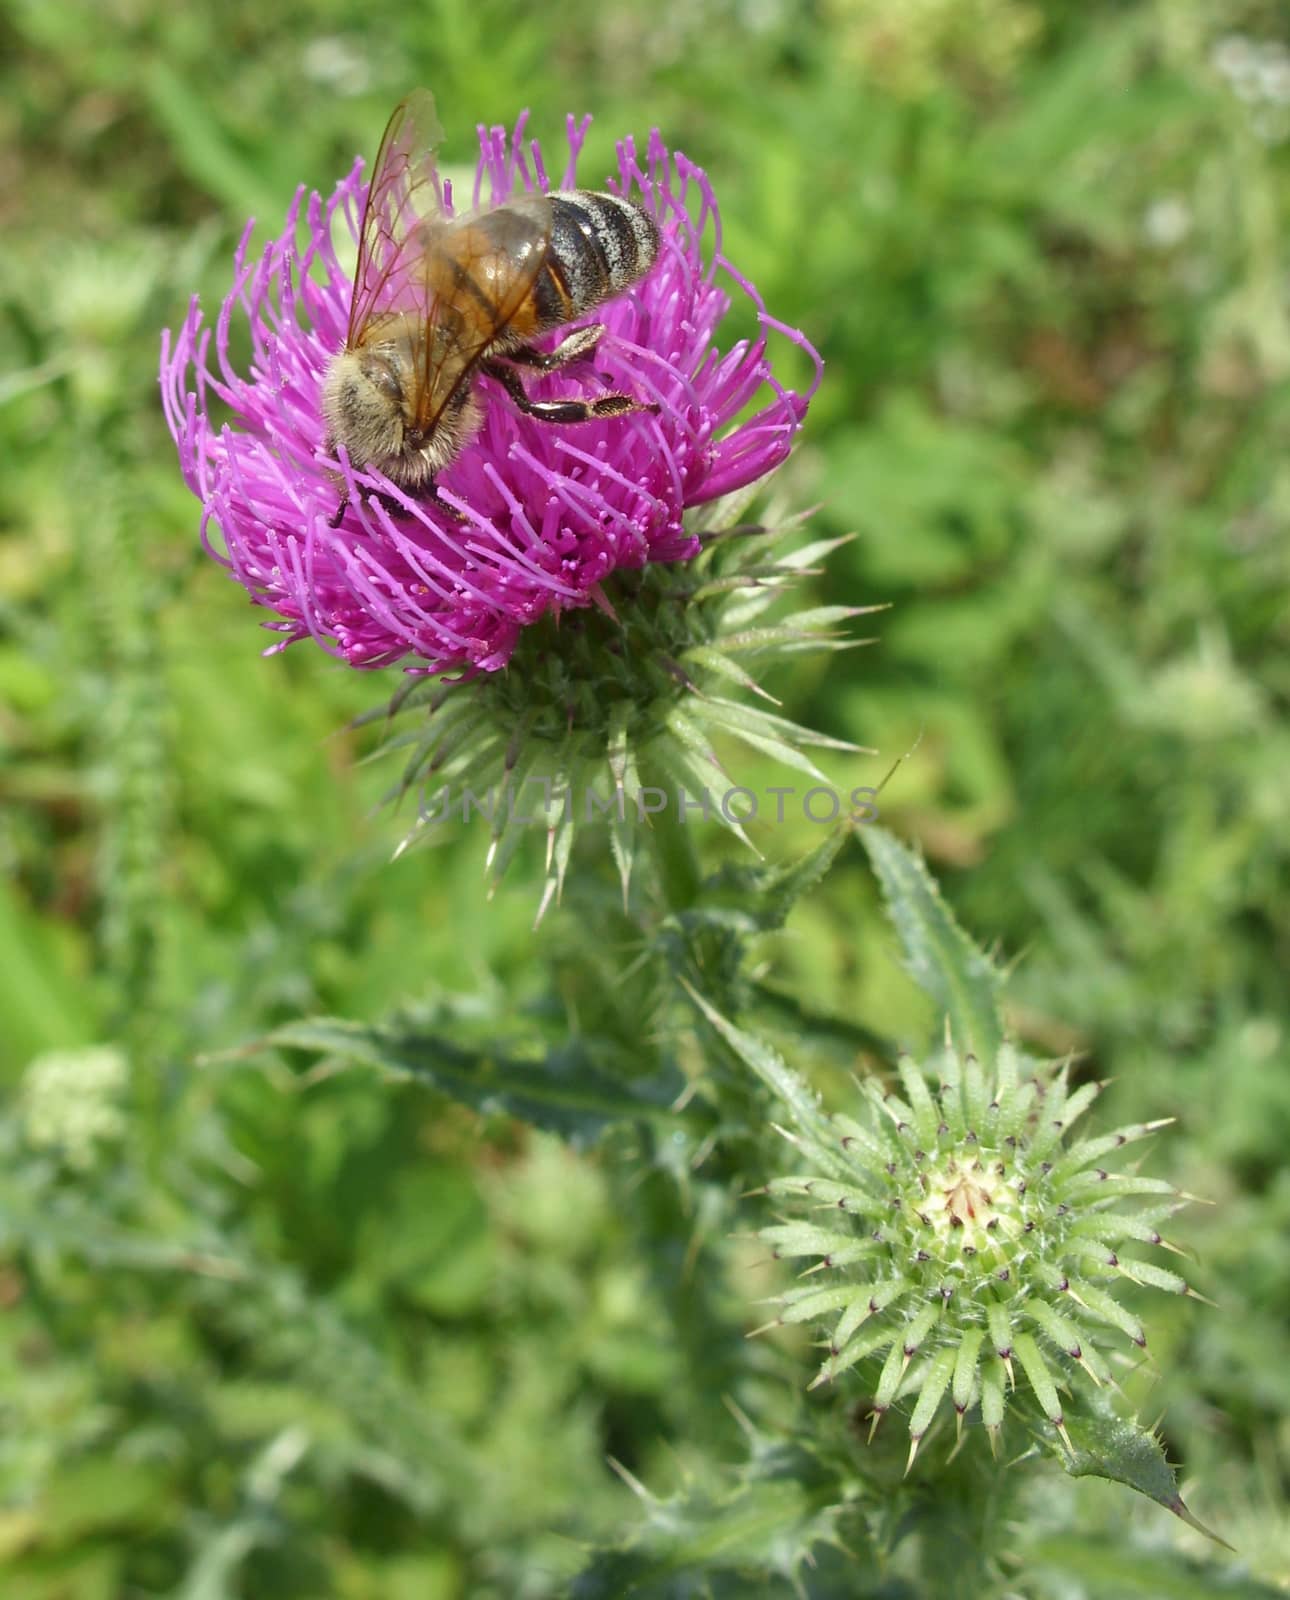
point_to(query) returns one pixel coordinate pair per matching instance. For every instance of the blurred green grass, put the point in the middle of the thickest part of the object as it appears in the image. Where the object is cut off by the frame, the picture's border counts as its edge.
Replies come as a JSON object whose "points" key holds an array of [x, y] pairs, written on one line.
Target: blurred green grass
{"points": [[1042, 249]]}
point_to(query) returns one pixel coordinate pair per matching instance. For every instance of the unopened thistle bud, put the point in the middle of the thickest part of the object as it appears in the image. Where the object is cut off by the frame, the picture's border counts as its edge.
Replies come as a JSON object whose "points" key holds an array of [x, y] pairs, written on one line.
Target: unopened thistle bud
{"points": [[965, 1245]]}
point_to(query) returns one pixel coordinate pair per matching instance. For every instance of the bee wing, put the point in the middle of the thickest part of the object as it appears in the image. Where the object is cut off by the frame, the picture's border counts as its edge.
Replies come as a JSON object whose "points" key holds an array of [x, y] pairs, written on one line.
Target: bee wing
{"points": [[479, 270], [402, 195]]}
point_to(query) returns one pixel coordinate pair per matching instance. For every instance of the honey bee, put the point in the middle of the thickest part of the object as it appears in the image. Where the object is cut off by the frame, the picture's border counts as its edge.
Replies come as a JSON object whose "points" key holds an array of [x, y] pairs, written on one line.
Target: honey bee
{"points": [[440, 300]]}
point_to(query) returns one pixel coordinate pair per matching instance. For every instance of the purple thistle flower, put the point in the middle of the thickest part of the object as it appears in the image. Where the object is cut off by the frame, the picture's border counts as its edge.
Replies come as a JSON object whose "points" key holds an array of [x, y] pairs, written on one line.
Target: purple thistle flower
{"points": [[544, 514]]}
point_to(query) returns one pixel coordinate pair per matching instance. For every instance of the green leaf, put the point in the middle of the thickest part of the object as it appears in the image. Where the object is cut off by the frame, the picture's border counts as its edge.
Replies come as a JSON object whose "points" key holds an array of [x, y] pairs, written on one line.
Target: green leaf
{"points": [[1108, 1447], [86, 1496], [1126, 1572], [842, 1033], [770, 1520], [88, 1573], [562, 1091], [788, 1086], [45, 1004], [766, 894], [942, 960], [204, 149]]}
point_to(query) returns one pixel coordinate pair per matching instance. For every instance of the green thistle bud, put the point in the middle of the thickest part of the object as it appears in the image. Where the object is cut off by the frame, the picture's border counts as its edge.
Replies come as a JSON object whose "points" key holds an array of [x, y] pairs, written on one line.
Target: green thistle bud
{"points": [[968, 1242], [612, 712]]}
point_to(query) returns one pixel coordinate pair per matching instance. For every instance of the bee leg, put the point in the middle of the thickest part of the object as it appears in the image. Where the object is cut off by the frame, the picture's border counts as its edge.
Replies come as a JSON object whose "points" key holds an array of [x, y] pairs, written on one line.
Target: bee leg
{"points": [[605, 405], [395, 509], [431, 493], [427, 493], [572, 348]]}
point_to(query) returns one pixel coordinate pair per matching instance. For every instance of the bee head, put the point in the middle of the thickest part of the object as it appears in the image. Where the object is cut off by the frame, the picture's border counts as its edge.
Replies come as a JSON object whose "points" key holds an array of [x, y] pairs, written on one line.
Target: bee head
{"points": [[365, 406]]}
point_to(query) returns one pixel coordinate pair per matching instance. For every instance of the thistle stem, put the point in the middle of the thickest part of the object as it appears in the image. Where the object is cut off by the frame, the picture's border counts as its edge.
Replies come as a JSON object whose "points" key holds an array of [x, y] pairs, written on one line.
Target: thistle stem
{"points": [[672, 843]]}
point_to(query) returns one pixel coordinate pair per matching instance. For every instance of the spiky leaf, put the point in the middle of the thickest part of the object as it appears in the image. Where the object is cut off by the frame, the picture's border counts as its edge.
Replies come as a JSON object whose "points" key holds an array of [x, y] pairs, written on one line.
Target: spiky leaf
{"points": [[562, 1091], [940, 957], [1109, 1447], [768, 1518]]}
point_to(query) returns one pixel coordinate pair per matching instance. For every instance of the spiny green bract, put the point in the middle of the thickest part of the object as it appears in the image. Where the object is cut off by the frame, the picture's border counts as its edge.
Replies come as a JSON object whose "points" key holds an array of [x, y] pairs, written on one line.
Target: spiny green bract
{"points": [[967, 1237], [600, 706]]}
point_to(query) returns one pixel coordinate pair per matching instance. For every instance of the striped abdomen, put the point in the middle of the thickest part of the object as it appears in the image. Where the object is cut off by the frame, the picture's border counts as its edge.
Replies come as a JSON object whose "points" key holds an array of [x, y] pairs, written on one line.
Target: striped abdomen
{"points": [[600, 245]]}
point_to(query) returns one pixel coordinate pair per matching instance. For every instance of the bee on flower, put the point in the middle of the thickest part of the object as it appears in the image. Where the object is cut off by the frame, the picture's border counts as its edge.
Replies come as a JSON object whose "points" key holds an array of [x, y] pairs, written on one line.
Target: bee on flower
{"points": [[475, 456], [463, 514]]}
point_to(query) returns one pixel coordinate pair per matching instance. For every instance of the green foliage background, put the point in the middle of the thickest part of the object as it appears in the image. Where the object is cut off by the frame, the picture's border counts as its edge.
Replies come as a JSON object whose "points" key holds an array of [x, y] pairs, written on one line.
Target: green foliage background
{"points": [[266, 1331]]}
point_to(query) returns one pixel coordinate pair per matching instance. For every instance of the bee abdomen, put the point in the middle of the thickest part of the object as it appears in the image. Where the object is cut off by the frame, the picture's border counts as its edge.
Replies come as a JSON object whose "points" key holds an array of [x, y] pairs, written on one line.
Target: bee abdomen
{"points": [[600, 245]]}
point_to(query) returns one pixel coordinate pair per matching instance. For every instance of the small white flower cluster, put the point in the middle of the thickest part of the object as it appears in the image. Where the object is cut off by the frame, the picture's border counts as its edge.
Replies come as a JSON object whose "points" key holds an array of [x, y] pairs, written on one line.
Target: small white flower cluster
{"points": [[1257, 71], [71, 1102]]}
